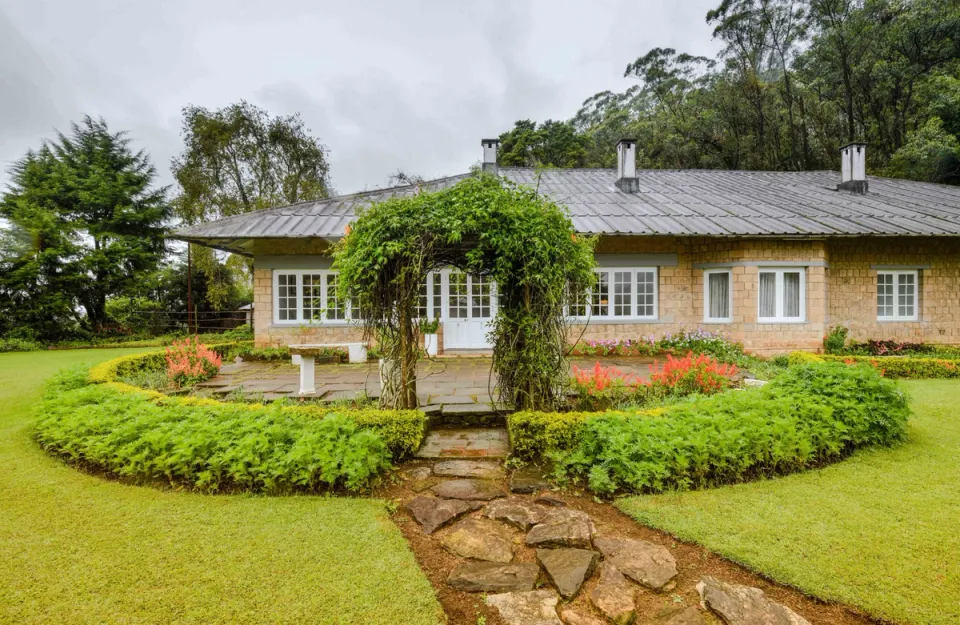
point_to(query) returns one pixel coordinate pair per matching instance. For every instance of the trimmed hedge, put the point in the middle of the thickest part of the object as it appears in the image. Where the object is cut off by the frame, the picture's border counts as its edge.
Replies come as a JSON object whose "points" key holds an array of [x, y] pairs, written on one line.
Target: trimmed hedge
{"points": [[91, 419], [811, 414], [905, 367], [895, 367]]}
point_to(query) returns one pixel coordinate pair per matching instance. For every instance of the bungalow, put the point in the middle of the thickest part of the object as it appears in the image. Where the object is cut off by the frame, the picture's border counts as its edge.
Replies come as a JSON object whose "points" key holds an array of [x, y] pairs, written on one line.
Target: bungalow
{"points": [[772, 259]]}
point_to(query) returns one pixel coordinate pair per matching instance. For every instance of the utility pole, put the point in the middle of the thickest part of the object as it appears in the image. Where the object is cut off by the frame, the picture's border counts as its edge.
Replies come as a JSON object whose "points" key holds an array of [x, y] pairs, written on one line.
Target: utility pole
{"points": [[190, 323]]}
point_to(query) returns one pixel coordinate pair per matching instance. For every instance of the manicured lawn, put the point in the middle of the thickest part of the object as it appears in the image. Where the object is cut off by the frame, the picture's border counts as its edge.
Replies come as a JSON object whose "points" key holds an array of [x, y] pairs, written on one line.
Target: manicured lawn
{"points": [[79, 549], [879, 531]]}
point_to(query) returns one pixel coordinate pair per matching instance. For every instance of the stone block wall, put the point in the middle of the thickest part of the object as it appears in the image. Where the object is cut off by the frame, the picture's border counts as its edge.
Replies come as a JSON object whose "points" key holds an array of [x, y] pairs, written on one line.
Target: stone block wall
{"points": [[840, 289], [681, 298], [852, 280]]}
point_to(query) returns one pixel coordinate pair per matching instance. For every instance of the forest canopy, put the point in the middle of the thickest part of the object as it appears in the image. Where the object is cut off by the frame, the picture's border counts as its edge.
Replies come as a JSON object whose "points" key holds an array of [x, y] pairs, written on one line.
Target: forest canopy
{"points": [[793, 81]]}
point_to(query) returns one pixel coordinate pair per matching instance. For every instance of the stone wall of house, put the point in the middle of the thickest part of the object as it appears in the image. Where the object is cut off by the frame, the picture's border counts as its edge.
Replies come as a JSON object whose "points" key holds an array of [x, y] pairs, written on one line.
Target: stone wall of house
{"points": [[268, 334], [681, 300], [840, 289], [852, 280]]}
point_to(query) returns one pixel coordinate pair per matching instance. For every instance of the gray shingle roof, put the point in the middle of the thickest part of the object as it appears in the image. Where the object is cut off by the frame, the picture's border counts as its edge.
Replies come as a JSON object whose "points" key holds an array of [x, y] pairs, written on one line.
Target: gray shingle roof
{"points": [[671, 202]]}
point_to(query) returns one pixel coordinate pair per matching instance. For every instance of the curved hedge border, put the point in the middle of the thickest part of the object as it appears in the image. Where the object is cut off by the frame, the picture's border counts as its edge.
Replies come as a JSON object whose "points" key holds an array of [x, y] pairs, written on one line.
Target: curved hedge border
{"points": [[811, 414], [894, 367], [90, 418]]}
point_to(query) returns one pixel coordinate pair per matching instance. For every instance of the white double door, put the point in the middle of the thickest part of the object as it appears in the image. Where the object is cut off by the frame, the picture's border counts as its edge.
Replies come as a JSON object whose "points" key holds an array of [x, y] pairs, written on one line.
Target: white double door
{"points": [[469, 305]]}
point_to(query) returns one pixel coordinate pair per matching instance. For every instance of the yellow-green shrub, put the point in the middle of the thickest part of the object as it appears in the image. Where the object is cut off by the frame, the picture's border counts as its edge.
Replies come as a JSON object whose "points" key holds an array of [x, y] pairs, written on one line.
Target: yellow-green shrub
{"points": [[802, 358], [534, 434]]}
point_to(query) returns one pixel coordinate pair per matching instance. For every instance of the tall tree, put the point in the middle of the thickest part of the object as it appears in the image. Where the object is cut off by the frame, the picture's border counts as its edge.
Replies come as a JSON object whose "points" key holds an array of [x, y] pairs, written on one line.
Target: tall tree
{"points": [[95, 222], [239, 159], [793, 80], [551, 143]]}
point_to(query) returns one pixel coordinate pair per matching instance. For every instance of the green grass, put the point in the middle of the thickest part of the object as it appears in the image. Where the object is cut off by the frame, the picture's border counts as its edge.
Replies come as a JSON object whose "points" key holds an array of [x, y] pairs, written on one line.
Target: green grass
{"points": [[75, 548], [879, 531]]}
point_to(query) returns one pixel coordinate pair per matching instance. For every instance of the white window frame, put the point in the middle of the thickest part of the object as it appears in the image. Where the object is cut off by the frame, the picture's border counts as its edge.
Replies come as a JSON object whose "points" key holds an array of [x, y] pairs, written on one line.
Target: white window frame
{"points": [[706, 296], [896, 273], [300, 321], [634, 299], [779, 293]]}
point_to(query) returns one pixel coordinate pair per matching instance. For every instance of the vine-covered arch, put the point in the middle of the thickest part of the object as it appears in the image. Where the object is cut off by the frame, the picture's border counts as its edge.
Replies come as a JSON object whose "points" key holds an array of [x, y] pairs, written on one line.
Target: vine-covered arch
{"points": [[485, 226]]}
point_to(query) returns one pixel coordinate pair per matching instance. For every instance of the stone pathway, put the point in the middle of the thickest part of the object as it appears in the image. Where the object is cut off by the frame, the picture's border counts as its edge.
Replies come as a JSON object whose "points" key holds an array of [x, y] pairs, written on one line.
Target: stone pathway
{"points": [[470, 514]]}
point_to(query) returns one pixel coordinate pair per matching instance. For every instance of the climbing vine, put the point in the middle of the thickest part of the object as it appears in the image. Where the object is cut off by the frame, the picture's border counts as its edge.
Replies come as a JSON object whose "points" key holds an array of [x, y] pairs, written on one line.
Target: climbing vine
{"points": [[484, 226]]}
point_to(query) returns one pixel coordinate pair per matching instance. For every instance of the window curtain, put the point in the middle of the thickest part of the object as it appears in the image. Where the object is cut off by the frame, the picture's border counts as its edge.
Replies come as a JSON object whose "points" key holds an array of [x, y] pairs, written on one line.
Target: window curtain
{"points": [[719, 289], [791, 295], [768, 295]]}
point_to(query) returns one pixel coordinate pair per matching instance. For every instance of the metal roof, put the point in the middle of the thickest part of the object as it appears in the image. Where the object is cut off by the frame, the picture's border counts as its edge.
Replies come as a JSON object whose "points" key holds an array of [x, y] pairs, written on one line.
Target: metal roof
{"points": [[668, 202]]}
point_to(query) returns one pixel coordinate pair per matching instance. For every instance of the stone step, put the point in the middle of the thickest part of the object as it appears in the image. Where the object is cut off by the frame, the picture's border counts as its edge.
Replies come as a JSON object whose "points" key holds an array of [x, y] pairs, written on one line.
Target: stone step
{"points": [[476, 442]]}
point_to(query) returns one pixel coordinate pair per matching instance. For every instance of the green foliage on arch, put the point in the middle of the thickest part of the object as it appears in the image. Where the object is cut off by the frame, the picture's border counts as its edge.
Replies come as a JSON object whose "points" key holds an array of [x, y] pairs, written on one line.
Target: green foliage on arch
{"points": [[484, 226]]}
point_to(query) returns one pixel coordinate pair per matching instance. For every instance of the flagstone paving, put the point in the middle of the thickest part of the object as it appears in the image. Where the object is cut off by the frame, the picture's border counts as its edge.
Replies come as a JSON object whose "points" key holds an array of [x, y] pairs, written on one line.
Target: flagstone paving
{"points": [[461, 388], [555, 566]]}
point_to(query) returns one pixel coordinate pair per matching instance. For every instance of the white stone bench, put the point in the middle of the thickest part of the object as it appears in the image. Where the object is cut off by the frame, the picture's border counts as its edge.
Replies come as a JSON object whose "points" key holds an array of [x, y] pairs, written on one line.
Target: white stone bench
{"points": [[305, 356]]}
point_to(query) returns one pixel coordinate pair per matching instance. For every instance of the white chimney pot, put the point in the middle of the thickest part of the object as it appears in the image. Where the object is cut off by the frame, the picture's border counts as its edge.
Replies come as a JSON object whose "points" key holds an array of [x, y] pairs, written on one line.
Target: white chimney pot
{"points": [[627, 166], [490, 154], [853, 167]]}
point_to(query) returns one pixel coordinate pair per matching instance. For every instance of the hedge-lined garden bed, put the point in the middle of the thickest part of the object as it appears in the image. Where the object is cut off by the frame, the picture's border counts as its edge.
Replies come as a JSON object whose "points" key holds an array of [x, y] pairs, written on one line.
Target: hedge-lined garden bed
{"points": [[809, 415], [90, 418], [895, 367]]}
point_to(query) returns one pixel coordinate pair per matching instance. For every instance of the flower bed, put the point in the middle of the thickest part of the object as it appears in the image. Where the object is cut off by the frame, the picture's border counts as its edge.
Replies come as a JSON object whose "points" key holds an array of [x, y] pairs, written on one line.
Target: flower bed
{"points": [[90, 418], [813, 413], [602, 388]]}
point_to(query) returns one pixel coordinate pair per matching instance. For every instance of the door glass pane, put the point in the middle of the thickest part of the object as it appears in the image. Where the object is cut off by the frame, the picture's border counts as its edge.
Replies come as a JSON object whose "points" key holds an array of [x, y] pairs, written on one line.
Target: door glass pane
{"points": [[885, 295], [312, 300], [422, 300], [437, 295], [335, 308], [719, 295], [768, 295], [287, 297], [578, 304], [622, 302], [480, 297], [791, 294], [906, 294], [600, 298], [457, 299], [646, 293]]}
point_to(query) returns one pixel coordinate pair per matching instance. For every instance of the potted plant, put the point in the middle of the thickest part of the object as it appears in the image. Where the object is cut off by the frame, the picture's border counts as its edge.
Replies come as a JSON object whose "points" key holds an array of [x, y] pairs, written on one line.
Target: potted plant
{"points": [[429, 330]]}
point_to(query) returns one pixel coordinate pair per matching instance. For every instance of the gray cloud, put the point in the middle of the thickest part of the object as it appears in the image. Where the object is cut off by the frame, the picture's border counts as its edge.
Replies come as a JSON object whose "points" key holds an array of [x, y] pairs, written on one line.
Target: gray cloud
{"points": [[385, 85]]}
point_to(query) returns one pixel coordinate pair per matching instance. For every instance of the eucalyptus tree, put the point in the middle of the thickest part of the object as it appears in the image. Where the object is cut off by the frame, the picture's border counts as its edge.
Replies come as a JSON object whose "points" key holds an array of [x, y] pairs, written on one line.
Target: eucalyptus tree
{"points": [[238, 159]]}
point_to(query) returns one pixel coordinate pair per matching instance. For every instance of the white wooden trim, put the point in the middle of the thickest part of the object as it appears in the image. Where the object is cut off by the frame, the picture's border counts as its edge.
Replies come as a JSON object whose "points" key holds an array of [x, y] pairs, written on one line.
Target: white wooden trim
{"points": [[610, 317], [779, 294], [706, 296], [896, 294], [300, 321]]}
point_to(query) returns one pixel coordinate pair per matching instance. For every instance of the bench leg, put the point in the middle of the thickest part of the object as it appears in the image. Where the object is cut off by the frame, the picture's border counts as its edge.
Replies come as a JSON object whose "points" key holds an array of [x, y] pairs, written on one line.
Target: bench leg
{"points": [[307, 386], [357, 353]]}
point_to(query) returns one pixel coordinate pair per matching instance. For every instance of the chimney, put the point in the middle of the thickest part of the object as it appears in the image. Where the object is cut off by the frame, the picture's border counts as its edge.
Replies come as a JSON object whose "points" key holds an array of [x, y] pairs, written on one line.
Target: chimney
{"points": [[490, 155], [627, 166], [853, 168]]}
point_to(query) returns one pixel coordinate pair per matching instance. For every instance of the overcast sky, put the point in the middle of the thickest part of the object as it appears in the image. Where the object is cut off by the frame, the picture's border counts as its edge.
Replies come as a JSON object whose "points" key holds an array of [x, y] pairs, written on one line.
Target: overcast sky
{"points": [[385, 85]]}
